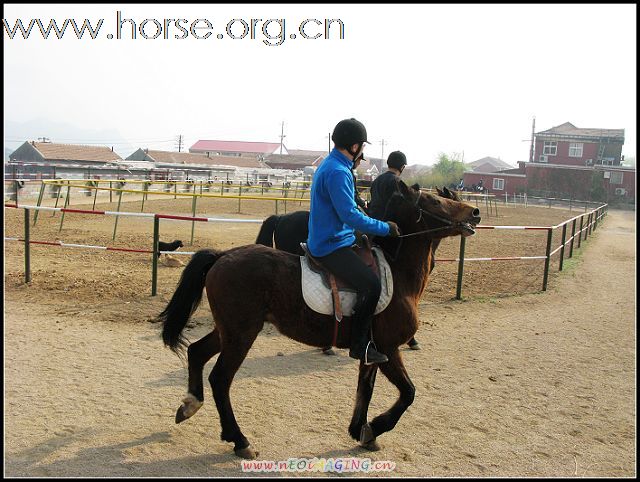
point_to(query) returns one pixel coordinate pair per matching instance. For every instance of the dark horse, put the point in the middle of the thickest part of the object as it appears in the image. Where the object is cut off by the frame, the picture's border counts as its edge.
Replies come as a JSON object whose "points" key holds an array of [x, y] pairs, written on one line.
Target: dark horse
{"points": [[249, 285], [287, 231]]}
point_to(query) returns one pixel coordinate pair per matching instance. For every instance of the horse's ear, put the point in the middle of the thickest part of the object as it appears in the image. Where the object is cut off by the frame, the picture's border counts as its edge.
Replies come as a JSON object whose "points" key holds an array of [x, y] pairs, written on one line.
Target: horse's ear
{"points": [[416, 187], [440, 193], [446, 192], [407, 192]]}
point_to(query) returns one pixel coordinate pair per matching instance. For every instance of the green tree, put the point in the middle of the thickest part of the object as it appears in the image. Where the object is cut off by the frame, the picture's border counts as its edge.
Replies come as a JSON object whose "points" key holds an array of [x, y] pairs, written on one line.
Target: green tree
{"points": [[447, 171]]}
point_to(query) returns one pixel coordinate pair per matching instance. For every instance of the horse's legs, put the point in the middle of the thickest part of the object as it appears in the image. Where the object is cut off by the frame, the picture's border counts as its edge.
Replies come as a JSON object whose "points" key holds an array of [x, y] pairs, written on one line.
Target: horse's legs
{"points": [[366, 382], [395, 371], [198, 353], [234, 351]]}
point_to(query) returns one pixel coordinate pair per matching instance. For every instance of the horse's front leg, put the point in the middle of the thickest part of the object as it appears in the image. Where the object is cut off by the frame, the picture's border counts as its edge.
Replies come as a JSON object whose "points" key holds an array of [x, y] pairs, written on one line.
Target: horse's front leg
{"points": [[395, 371], [366, 382]]}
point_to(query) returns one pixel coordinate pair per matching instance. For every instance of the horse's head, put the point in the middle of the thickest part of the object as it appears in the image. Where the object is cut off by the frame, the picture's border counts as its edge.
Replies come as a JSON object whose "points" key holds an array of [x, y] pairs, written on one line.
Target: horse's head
{"points": [[436, 216]]}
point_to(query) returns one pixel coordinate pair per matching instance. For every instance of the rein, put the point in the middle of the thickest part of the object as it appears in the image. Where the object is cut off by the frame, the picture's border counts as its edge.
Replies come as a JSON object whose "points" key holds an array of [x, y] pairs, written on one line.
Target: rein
{"points": [[448, 224]]}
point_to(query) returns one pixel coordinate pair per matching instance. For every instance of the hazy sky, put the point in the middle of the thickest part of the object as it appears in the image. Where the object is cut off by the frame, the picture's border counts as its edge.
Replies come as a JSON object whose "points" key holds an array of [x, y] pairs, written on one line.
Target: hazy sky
{"points": [[423, 78]]}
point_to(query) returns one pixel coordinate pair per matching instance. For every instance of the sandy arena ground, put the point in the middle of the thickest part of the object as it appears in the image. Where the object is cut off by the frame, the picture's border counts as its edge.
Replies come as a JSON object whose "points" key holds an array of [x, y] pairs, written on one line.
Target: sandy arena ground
{"points": [[538, 384]]}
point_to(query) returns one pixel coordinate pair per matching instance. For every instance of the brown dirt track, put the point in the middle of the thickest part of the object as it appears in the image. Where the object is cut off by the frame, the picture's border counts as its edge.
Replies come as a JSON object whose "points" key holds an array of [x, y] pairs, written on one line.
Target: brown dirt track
{"points": [[540, 384]]}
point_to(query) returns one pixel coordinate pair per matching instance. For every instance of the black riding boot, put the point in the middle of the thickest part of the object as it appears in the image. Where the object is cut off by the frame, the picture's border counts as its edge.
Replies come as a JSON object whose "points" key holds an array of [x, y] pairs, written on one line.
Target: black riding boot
{"points": [[362, 347]]}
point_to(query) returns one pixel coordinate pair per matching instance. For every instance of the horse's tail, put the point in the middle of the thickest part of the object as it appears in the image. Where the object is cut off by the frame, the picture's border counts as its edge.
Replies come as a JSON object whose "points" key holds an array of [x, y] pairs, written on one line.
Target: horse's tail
{"points": [[186, 299], [265, 235]]}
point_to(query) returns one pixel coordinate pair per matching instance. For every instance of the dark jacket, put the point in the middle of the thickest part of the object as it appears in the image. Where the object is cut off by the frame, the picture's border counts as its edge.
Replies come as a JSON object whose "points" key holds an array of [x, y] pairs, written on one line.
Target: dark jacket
{"points": [[382, 188]]}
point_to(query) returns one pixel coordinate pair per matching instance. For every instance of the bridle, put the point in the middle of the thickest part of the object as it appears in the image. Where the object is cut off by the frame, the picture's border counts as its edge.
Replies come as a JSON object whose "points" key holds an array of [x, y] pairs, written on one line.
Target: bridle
{"points": [[448, 224]]}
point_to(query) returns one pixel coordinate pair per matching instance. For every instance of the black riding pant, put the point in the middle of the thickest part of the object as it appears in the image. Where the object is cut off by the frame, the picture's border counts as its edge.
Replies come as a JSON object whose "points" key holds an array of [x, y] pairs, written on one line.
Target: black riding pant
{"points": [[347, 265]]}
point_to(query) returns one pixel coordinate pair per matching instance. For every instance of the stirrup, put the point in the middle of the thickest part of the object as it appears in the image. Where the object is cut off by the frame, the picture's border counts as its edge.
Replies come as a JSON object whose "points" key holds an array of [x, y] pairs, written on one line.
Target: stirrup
{"points": [[383, 357]]}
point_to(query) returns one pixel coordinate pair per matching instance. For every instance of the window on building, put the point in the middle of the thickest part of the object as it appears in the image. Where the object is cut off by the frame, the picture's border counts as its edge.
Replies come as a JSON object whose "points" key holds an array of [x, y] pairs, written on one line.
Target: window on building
{"points": [[550, 148], [575, 149], [616, 177], [498, 184]]}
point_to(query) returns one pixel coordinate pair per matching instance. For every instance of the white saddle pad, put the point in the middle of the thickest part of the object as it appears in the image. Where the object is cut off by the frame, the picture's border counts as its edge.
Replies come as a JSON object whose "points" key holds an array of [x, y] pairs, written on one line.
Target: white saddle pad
{"points": [[318, 297]]}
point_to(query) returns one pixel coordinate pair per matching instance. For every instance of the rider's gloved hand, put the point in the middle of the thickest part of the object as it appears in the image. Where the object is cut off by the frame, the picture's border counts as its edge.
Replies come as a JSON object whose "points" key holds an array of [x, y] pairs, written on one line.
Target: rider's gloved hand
{"points": [[394, 230]]}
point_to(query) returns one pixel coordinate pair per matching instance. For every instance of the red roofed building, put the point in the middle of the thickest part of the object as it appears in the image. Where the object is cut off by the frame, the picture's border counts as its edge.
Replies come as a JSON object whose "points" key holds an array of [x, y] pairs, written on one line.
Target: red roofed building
{"points": [[237, 148]]}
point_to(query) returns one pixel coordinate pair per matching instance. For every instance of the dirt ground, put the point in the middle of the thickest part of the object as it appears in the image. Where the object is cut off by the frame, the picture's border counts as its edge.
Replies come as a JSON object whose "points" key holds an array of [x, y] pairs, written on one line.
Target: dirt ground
{"points": [[511, 381]]}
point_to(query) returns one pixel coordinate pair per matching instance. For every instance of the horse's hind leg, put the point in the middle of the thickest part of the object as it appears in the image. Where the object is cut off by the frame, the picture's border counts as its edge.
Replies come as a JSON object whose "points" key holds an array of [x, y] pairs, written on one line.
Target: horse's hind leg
{"points": [[234, 351], [366, 382], [198, 353], [395, 371]]}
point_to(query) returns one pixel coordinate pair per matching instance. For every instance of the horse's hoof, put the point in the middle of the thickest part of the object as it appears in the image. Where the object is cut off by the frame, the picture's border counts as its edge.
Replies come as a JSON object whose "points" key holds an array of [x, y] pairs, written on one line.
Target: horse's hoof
{"points": [[372, 446], [415, 346], [328, 351], [180, 416], [246, 453], [190, 405], [366, 435]]}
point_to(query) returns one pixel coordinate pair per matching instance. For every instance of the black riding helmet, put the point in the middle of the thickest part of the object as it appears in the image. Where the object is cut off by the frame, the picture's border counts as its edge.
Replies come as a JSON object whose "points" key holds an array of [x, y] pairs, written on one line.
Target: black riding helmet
{"points": [[396, 160], [349, 132]]}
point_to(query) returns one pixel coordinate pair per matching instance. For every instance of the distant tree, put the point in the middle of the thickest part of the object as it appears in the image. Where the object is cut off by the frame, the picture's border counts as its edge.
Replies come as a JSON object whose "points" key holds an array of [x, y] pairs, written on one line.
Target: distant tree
{"points": [[447, 171]]}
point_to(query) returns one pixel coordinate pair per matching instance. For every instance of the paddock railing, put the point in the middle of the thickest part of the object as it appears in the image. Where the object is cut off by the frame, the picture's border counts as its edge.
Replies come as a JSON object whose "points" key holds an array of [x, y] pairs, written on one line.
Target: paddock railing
{"points": [[572, 234]]}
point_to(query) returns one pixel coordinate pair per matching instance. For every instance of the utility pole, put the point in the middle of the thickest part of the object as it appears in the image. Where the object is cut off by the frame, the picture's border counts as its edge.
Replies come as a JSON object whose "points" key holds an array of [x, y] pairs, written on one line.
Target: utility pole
{"points": [[533, 129], [180, 143], [382, 142], [282, 136], [329, 148]]}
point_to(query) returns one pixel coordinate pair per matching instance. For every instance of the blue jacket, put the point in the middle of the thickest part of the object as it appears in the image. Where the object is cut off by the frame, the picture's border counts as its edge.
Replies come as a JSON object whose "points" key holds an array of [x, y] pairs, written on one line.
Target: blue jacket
{"points": [[334, 214]]}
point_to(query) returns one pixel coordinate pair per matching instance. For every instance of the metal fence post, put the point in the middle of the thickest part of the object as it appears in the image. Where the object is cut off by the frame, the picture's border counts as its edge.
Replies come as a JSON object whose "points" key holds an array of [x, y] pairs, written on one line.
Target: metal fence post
{"points": [[564, 238], [580, 236], [27, 249], [573, 235], [460, 268], [547, 260], [193, 212], [154, 262]]}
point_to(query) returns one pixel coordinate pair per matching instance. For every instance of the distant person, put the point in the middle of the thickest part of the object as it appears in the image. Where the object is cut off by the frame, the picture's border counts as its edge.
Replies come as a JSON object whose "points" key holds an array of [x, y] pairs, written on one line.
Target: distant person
{"points": [[460, 186], [386, 184]]}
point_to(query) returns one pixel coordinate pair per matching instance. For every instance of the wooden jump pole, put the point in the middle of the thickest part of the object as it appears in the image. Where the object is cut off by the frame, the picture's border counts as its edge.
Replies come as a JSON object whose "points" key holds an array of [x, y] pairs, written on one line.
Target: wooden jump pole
{"points": [[115, 225], [40, 197], [66, 201], [58, 191], [95, 195]]}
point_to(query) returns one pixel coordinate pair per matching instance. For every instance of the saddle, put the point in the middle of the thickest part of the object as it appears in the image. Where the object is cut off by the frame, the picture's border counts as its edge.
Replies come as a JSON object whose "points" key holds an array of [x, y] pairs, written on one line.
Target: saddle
{"points": [[327, 294]]}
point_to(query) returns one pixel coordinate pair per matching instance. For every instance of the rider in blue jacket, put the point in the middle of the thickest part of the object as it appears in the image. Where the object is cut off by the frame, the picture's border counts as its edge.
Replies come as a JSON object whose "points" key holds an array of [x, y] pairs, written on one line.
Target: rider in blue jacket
{"points": [[334, 217]]}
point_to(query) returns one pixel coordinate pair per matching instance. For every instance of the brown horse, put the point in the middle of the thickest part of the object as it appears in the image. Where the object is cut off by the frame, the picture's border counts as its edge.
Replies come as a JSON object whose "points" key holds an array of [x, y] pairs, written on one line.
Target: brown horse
{"points": [[249, 285]]}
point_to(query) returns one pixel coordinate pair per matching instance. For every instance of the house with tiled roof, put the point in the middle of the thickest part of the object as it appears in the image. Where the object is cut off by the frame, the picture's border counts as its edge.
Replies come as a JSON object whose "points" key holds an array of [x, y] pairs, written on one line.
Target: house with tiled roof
{"points": [[489, 164], [295, 159], [214, 148], [177, 159], [569, 145], [64, 154]]}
